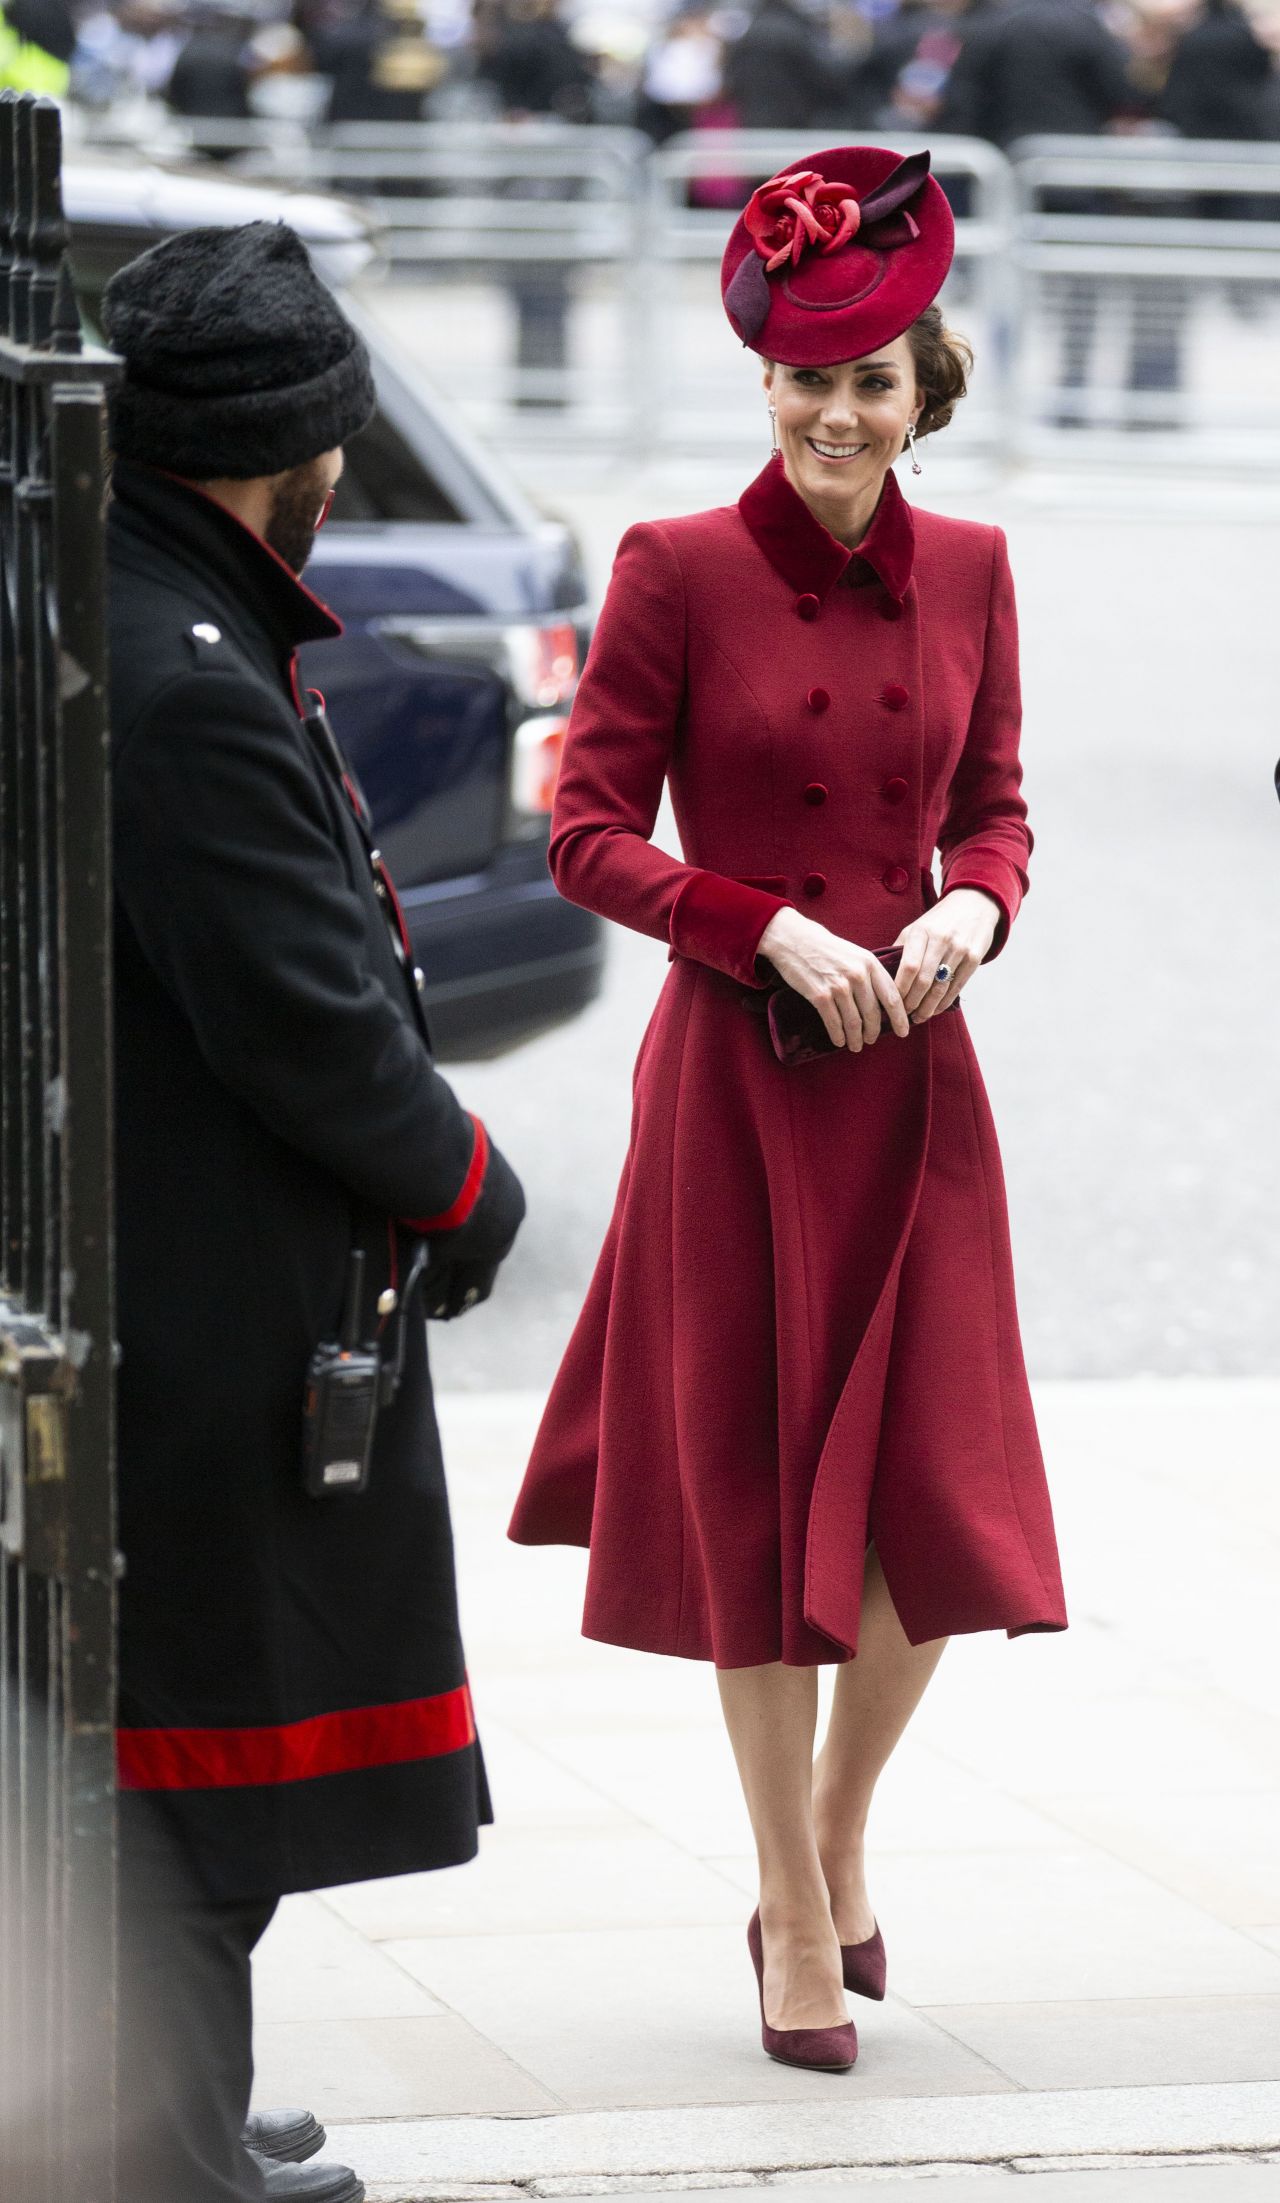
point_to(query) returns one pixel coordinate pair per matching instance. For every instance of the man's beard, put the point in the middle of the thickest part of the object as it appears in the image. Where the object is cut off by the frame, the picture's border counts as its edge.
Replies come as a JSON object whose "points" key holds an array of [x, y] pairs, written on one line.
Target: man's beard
{"points": [[295, 508]]}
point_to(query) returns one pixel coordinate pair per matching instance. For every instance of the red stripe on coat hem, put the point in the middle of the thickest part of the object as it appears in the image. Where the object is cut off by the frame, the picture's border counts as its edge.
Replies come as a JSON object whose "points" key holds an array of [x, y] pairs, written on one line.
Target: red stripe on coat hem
{"points": [[450, 1218], [297, 1751]]}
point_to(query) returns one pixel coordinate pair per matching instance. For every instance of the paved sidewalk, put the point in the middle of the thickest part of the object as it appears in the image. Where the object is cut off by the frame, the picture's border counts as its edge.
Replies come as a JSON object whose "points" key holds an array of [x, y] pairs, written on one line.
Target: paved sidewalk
{"points": [[1076, 1863]]}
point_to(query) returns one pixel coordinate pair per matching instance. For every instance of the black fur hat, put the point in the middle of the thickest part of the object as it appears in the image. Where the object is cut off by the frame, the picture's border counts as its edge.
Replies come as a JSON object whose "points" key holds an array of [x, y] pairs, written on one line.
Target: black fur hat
{"points": [[238, 359]]}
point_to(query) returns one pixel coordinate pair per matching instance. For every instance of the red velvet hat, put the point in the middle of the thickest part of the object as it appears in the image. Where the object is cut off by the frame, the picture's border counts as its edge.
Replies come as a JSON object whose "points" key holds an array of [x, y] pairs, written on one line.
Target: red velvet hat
{"points": [[837, 255]]}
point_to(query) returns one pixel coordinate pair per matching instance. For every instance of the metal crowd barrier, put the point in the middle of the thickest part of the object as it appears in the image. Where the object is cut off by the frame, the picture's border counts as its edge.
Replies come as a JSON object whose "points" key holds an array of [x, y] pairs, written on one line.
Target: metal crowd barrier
{"points": [[1103, 281], [1149, 286], [543, 215], [454, 193]]}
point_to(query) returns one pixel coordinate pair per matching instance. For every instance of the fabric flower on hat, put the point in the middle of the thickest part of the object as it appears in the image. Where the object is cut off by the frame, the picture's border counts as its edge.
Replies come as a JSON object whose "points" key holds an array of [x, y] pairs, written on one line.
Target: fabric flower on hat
{"points": [[787, 216], [831, 258]]}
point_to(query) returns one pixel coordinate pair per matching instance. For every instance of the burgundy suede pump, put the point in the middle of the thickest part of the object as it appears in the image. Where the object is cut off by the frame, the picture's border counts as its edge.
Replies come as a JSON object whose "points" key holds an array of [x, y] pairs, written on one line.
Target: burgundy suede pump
{"points": [[819, 2049], [866, 1968]]}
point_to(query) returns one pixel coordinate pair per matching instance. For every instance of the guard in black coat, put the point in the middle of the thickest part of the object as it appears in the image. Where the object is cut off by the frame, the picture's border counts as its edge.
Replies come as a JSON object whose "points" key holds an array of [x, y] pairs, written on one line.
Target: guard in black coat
{"points": [[294, 1709]]}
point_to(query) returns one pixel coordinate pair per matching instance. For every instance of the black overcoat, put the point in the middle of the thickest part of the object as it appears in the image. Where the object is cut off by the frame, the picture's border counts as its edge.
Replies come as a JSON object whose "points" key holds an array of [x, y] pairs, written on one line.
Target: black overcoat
{"points": [[294, 1702]]}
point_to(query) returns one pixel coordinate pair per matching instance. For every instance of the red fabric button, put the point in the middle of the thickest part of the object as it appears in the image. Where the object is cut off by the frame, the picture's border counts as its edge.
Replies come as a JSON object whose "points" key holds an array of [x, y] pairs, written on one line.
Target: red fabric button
{"points": [[808, 607], [896, 878], [816, 793], [818, 699], [893, 696], [890, 609], [894, 790], [815, 883]]}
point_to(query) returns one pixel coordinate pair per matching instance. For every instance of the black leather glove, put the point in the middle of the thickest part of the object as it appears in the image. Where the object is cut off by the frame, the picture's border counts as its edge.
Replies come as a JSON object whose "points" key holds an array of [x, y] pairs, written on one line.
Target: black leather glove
{"points": [[455, 1287], [465, 1262]]}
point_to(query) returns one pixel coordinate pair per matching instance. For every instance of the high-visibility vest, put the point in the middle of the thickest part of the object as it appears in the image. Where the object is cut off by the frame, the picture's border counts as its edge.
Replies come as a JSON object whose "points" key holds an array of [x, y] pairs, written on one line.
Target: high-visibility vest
{"points": [[28, 68]]}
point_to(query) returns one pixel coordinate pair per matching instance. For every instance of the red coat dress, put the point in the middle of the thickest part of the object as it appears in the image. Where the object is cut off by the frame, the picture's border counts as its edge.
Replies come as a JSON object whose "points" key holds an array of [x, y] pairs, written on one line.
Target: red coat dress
{"points": [[801, 1333]]}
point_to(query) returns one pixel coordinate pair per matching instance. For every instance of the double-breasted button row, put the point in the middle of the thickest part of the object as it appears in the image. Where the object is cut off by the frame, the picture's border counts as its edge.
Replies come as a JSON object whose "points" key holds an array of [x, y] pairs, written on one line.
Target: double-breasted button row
{"points": [[892, 791], [809, 606], [895, 877], [894, 697]]}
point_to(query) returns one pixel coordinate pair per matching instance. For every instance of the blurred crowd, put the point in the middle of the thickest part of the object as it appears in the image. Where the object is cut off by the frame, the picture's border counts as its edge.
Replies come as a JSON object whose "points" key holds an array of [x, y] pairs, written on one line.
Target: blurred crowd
{"points": [[996, 69]]}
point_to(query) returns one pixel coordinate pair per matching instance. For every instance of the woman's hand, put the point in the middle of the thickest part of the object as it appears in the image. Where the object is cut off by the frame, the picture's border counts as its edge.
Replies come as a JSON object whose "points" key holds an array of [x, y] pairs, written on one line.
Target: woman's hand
{"points": [[848, 986], [957, 932]]}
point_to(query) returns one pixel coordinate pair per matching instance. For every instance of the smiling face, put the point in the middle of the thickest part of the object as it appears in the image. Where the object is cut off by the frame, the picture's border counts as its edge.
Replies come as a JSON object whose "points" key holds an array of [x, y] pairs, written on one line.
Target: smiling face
{"points": [[841, 428]]}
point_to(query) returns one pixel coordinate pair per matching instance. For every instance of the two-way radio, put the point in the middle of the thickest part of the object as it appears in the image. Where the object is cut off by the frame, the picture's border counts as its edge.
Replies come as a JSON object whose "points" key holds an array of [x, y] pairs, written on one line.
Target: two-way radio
{"points": [[340, 1413]]}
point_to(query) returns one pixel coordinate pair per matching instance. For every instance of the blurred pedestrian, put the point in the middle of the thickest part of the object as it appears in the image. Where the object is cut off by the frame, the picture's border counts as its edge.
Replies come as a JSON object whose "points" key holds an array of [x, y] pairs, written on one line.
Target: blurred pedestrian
{"points": [[124, 54], [211, 73], [792, 1423], [683, 75], [1048, 67], [294, 1709], [381, 64], [524, 50], [901, 81], [37, 41], [1038, 67], [1222, 78], [779, 74]]}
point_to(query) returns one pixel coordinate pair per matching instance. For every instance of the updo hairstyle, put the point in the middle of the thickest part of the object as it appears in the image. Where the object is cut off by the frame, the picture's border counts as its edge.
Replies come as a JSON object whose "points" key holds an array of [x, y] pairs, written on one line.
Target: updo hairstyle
{"points": [[944, 363]]}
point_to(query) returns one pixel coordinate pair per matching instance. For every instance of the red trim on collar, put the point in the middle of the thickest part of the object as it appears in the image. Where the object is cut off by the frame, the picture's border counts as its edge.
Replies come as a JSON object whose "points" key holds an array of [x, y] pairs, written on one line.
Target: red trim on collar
{"points": [[184, 482], [807, 555], [296, 1751]]}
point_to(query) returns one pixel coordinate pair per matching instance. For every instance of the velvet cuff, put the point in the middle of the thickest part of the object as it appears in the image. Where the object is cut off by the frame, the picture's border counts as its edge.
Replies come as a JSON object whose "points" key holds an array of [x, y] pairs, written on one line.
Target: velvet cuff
{"points": [[719, 921], [998, 878]]}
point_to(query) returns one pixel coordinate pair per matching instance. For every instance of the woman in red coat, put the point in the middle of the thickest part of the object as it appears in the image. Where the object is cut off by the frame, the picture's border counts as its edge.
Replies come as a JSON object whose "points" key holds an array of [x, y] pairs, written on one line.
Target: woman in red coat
{"points": [[793, 1422]]}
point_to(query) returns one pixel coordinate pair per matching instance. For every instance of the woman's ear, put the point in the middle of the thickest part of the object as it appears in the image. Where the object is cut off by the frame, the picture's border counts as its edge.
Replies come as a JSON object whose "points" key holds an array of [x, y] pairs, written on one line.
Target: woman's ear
{"points": [[768, 378]]}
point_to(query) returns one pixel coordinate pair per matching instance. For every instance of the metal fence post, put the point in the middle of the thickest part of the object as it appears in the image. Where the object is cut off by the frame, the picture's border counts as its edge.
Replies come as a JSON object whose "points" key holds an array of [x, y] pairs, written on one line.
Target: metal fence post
{"points": [[57, 1603]]}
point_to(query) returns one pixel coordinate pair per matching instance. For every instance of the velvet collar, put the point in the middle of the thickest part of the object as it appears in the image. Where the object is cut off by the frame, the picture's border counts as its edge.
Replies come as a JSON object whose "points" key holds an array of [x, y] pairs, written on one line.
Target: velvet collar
{"points": [[807, 556]]}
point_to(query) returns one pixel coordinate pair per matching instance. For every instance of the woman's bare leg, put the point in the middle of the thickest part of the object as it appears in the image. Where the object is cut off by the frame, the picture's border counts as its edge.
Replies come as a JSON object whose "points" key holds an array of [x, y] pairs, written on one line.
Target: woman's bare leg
{"points": [[771, 1714], [876, 1694]]}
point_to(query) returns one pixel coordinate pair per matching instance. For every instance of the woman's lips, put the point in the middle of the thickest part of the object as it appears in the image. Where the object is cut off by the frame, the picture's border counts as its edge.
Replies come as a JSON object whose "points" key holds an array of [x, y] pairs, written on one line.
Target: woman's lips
{"points": [[832, 455]]}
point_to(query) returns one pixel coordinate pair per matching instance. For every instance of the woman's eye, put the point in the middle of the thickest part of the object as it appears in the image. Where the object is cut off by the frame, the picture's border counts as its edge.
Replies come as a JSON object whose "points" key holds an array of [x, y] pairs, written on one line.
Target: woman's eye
{"points": [[877, 382]]}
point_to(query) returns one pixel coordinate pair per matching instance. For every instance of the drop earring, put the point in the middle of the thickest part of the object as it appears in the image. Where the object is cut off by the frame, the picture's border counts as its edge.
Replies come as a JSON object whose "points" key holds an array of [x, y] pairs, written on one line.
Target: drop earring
{"points": [[773, 428], [916, 467]]}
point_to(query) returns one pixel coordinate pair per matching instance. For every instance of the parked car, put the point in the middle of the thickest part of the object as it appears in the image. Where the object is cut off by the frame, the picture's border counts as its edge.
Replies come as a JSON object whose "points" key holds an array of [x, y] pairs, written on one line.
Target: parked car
{"points": [[466, 624]]}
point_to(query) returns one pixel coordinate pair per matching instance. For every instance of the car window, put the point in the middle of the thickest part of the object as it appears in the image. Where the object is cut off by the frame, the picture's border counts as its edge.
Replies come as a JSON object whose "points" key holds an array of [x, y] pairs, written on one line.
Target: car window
{"points": [[384, 479]]}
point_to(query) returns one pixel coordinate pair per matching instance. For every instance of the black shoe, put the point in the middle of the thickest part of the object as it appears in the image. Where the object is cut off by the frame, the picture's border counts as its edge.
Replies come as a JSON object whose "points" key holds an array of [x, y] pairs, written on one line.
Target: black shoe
{"points": [[323, 2183], [284, 2136]]}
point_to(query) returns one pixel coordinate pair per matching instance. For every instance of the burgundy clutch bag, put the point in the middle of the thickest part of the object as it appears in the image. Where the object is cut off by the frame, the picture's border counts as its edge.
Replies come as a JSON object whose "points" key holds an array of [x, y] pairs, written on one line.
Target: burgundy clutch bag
{"points": [[797, 1031]]}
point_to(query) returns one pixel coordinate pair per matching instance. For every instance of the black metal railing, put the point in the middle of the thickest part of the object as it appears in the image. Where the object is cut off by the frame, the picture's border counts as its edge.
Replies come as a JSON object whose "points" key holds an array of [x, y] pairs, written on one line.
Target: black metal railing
{"points": [[57, 1620]]}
